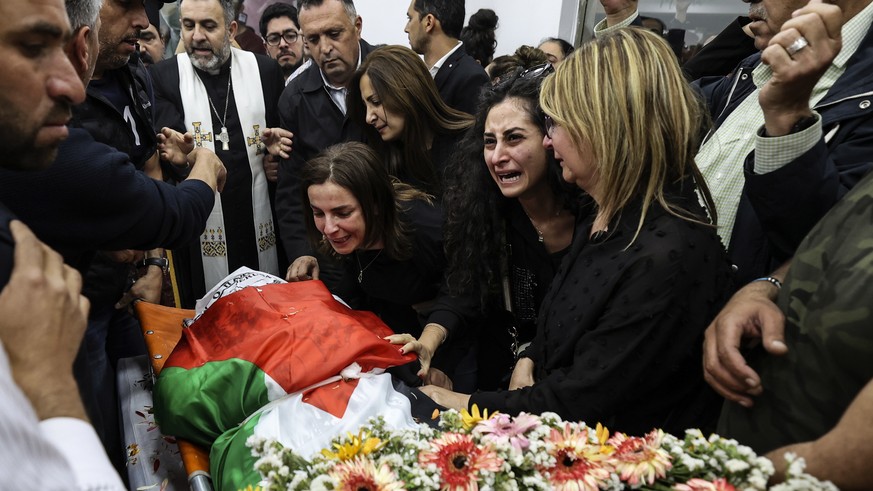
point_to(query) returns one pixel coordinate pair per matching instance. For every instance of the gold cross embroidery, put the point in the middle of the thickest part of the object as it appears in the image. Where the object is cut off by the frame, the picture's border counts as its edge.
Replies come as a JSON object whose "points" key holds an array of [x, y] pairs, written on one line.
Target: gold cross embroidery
{"points": [[256, 139], [199, 137]]}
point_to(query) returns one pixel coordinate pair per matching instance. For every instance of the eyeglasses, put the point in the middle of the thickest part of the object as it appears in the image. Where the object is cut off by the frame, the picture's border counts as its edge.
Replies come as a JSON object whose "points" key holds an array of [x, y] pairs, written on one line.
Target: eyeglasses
{"points": [[289, 36], [550, 125], [537, 71], [533, 73]]}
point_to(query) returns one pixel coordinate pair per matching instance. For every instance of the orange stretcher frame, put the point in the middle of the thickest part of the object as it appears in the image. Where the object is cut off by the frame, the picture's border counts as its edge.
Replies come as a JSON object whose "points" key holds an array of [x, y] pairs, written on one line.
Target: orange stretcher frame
{"points": [[162, 329]]}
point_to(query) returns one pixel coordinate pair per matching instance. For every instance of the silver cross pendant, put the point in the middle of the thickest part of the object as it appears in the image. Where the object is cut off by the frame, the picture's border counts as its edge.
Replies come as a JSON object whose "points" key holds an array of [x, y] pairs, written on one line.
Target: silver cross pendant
{"points": [[224, 138]]}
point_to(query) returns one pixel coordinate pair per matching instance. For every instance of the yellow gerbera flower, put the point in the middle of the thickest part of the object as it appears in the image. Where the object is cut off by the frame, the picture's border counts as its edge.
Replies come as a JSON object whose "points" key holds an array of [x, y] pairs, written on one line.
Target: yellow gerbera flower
{"points": [[472, 418], [602, 433], [360, 444]]}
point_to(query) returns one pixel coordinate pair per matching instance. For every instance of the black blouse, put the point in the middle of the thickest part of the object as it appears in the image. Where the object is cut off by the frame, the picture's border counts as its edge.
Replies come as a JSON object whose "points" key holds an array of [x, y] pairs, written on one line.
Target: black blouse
{"points": [[389, 287], [619, 334], [531, 269]]}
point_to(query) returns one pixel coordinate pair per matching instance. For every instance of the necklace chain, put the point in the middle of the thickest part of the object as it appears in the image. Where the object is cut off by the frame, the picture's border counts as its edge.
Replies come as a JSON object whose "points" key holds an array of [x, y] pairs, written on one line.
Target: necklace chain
{"points": [[224, 138], [361, 270], [226, 102], [540, 235]]}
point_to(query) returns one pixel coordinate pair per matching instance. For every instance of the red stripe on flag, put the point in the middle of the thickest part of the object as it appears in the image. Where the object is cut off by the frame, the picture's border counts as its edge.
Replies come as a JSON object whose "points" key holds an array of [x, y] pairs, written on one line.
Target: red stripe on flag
{"points": [[333, 398], [295, 332]]}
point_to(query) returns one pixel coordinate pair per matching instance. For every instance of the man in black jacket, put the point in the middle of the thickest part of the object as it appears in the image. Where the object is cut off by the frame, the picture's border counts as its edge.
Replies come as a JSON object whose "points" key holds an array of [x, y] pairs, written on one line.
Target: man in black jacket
{"points": [[117, 112], [434, 27], [93, 197], [313, 108], [791, 125]]}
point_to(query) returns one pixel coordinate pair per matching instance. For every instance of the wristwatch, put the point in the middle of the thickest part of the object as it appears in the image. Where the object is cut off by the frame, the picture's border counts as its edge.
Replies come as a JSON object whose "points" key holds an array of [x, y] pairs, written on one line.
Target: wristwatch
{"points": [[800, 125], [160, 262], [803, 124]]}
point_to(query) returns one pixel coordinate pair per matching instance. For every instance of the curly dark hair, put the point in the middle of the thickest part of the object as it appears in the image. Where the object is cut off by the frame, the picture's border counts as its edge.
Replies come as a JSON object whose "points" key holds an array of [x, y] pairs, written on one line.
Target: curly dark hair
{"points": [[474, 207], [478, 36]]}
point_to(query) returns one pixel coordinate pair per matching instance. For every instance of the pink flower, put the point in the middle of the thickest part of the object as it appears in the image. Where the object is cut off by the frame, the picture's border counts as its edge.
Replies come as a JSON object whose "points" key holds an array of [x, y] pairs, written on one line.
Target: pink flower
{"points": [[640, 459], [720, 484], [579, 466], [459, 461], [501, 429]]}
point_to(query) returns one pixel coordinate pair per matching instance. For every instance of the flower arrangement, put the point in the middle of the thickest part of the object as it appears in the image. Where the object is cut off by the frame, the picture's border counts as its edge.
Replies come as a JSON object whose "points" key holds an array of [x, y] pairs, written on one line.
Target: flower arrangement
{"points": [[472, 451]]}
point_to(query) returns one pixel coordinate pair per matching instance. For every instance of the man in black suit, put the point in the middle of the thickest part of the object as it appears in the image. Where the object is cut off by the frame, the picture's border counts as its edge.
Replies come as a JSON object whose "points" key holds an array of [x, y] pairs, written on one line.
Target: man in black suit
{"points": [[434, 27], [313, 108]]}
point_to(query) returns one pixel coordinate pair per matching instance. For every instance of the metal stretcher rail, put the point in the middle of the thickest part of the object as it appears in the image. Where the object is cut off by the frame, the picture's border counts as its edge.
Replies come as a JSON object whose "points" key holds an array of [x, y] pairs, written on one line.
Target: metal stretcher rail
{"points": [[162, 329]]}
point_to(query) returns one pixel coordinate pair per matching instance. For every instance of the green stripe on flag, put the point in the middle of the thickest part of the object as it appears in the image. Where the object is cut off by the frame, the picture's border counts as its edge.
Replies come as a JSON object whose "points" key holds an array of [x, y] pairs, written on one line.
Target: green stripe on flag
{"points": [[231, 463], [202, 403]]}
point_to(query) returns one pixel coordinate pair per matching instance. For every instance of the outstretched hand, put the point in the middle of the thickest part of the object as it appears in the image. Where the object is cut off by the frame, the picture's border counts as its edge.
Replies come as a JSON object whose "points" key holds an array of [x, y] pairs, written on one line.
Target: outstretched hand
{"points": [[174, 147], [431, 338], [446, 397], [303, 268], [278, 142]]}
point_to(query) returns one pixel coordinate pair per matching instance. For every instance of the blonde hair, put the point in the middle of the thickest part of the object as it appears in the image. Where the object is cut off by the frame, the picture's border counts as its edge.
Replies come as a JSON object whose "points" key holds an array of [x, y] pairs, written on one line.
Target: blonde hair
{"points": [[624, 95]]}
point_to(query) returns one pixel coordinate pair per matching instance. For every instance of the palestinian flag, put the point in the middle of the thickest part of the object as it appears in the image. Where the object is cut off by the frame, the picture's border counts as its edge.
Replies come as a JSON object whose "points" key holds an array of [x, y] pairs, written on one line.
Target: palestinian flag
{"points": [[272, 357]]}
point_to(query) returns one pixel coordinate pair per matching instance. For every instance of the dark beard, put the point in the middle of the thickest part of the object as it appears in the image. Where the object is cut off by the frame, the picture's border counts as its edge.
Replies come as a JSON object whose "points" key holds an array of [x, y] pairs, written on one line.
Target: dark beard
{"points": [[146, 58], [25, 156], [20, 151], [287, 70], [18, 137]]}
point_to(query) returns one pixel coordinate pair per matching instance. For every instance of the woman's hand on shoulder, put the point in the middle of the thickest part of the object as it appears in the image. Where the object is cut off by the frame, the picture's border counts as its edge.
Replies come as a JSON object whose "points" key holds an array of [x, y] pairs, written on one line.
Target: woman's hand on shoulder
{"points": [[522, 374], [303, 268]]}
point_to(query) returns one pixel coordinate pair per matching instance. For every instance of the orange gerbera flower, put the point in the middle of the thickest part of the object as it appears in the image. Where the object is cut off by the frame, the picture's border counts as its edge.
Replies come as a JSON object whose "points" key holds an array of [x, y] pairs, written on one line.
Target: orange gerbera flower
{"points": [[579, 465], [459, 461]]}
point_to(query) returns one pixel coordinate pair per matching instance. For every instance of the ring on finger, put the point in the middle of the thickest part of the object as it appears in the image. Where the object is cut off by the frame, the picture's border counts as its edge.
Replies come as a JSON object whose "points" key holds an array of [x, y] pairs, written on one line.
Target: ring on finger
{"points": [[797, 45]]}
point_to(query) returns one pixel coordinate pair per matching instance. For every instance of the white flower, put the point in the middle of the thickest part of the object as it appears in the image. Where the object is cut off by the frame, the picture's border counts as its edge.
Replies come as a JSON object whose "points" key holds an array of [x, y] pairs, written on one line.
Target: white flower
{"points": [[691, 463], [323, 483], [299, 478], [757, 479], [736, 465]]}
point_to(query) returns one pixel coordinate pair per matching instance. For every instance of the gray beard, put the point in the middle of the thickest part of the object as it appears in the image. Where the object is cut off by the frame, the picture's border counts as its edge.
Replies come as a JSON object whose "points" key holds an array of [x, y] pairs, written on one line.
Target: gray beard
{"points": [[215, 61]]}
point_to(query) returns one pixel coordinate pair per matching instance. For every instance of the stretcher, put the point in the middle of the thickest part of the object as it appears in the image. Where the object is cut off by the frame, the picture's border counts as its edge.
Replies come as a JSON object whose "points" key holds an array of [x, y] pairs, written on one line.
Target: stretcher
{"points": [[162, 329]]}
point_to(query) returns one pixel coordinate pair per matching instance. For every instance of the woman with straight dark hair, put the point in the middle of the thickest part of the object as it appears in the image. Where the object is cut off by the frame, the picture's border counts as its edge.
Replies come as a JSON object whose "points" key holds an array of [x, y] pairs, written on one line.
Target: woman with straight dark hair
{"points": [[386, 234], [620, 331], [412, 130]]}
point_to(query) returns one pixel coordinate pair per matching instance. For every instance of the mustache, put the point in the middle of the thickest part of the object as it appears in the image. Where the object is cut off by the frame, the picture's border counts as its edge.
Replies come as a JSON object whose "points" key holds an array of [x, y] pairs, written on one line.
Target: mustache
{"points": [[61, 112], [202, 45]]}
